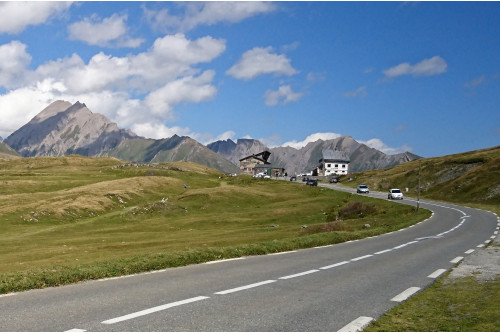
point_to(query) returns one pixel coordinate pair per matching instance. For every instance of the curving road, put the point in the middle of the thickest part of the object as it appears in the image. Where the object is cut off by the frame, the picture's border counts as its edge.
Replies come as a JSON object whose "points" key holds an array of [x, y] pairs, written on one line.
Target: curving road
{"points": [[338, 287]]}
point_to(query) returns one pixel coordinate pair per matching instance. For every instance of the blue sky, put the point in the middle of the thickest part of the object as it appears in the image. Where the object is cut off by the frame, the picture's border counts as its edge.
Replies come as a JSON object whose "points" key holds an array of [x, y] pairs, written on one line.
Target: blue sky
{"points": [[422, 77]]}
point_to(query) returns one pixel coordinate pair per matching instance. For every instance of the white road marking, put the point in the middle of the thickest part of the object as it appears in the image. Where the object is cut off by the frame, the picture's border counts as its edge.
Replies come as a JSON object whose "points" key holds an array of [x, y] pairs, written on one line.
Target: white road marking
{"points": [[437, 273], [457, 259], [224, 260], [76, 330], [283, 253], [470, 251], [480, 246], [300, 274], [244, 287], [8, 294], [153, 309], [335, 265], [405, 294], [383, 251], [361, 257], [356, 325]]}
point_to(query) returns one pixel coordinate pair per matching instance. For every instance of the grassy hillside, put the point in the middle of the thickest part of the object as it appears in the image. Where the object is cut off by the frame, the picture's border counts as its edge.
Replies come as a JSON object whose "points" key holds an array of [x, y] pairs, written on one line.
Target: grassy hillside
{"points": [[471, 177], [7, 153], [69, 219]]}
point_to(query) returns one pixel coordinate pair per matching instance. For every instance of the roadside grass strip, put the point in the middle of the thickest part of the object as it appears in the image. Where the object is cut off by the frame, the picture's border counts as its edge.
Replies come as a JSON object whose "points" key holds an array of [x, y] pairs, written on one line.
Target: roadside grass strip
{"points": [[153, 310], [356, 325], [405, 294]]}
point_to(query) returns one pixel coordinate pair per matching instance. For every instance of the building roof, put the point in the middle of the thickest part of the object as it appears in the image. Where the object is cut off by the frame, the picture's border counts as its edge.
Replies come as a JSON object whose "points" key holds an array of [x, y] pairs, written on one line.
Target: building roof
{"points": [[262, 156], [335, 155]]}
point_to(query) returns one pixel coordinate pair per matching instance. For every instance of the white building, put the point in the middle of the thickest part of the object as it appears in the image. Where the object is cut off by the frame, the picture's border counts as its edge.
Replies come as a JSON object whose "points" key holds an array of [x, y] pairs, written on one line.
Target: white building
{"points": [[333, 163]]}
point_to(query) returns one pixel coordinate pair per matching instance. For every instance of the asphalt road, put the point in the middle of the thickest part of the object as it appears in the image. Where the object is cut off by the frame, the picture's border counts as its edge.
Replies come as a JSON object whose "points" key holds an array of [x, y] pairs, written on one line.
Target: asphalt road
{"points": [[338, 287]]}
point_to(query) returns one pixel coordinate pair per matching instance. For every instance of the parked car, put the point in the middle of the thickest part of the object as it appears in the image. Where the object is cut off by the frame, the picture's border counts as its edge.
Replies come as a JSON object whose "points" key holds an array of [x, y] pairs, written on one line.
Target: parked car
{"points": [[312, 182], [395, 194], [334, 180], [363, 189], [293, 178]]}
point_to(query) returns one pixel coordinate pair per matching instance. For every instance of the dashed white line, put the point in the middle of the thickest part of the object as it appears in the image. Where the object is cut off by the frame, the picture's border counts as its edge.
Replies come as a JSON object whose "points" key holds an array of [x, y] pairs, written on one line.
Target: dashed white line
{"points": [[480, 246], [405, 294], [153, 309], [356, 325], [244, 287], [300, 274], [470, 251], [437, 273], [335, 265], [362, 257], [457, 259], [383, 251]]}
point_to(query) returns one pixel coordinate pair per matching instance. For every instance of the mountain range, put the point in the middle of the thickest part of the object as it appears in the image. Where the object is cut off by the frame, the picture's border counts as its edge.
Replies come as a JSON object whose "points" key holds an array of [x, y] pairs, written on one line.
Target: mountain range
{"points": [[63, 128]]}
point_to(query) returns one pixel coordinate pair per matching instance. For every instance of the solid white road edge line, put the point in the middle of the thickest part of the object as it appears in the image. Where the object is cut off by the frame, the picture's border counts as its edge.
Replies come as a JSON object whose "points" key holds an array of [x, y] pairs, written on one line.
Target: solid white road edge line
{"points": [[153, 309], [225, 260], [300, 274], [405, 294], [437, 273], [75, 330], [244, 287], [356, 325]]}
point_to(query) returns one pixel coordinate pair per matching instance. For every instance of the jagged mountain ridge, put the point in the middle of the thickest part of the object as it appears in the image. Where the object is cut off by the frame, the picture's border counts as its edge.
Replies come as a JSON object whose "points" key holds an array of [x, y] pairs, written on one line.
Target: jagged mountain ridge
{"points": [[307, 158], [62, 129]]}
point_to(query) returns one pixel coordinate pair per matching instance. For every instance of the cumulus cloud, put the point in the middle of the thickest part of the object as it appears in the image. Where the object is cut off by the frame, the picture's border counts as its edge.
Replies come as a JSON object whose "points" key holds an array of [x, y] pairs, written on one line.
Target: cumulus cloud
{"points": [[312, 138], [259, 61], [205, 13], [427, 67], [110, 31], [285, 94], [13, 61], [127, 90], [381, 146], [15, 16]]}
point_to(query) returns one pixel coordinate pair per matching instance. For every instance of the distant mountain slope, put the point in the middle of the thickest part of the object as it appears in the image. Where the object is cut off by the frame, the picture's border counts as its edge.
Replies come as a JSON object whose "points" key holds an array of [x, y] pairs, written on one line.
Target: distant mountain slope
{"points": [[7, 152], [62, 129], [307, 158], [469, 177]]}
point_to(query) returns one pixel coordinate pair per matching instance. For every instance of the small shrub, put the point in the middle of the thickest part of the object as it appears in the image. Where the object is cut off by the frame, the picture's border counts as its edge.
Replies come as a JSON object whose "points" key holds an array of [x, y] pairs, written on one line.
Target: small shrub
{"points": [[357, 210]]}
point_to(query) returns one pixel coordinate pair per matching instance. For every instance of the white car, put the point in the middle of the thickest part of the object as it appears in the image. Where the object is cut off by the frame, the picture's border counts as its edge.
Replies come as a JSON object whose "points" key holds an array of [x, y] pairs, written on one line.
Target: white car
{"points": [[395, 194]]}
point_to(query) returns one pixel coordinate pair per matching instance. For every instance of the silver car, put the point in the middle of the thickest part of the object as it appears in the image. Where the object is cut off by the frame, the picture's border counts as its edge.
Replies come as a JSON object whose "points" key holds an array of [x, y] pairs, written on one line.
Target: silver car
{"points": [[395, 194], [363, 189]]}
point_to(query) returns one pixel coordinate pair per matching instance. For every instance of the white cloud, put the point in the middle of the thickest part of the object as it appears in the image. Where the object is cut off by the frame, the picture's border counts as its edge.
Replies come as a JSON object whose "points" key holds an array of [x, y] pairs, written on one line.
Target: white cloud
{"points": [[427, 67], [111, 31], [312, 138], [15, 16], [259, 61], [205, 13], [381, 146], [158, 130], [187, 89], [285, 94], [14, 61], [360, 92], [162, 77]]}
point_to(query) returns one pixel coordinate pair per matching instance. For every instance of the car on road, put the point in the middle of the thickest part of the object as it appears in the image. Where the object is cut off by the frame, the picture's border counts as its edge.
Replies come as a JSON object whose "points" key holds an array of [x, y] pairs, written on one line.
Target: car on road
{"points": [[293, 178], [312, 182], [363, 189], [395, 194], [334, 180]]}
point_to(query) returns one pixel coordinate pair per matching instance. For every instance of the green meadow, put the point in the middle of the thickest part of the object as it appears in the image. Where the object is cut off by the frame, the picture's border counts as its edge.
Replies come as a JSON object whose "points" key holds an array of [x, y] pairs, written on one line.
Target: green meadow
{"points": [[65, 220]]}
